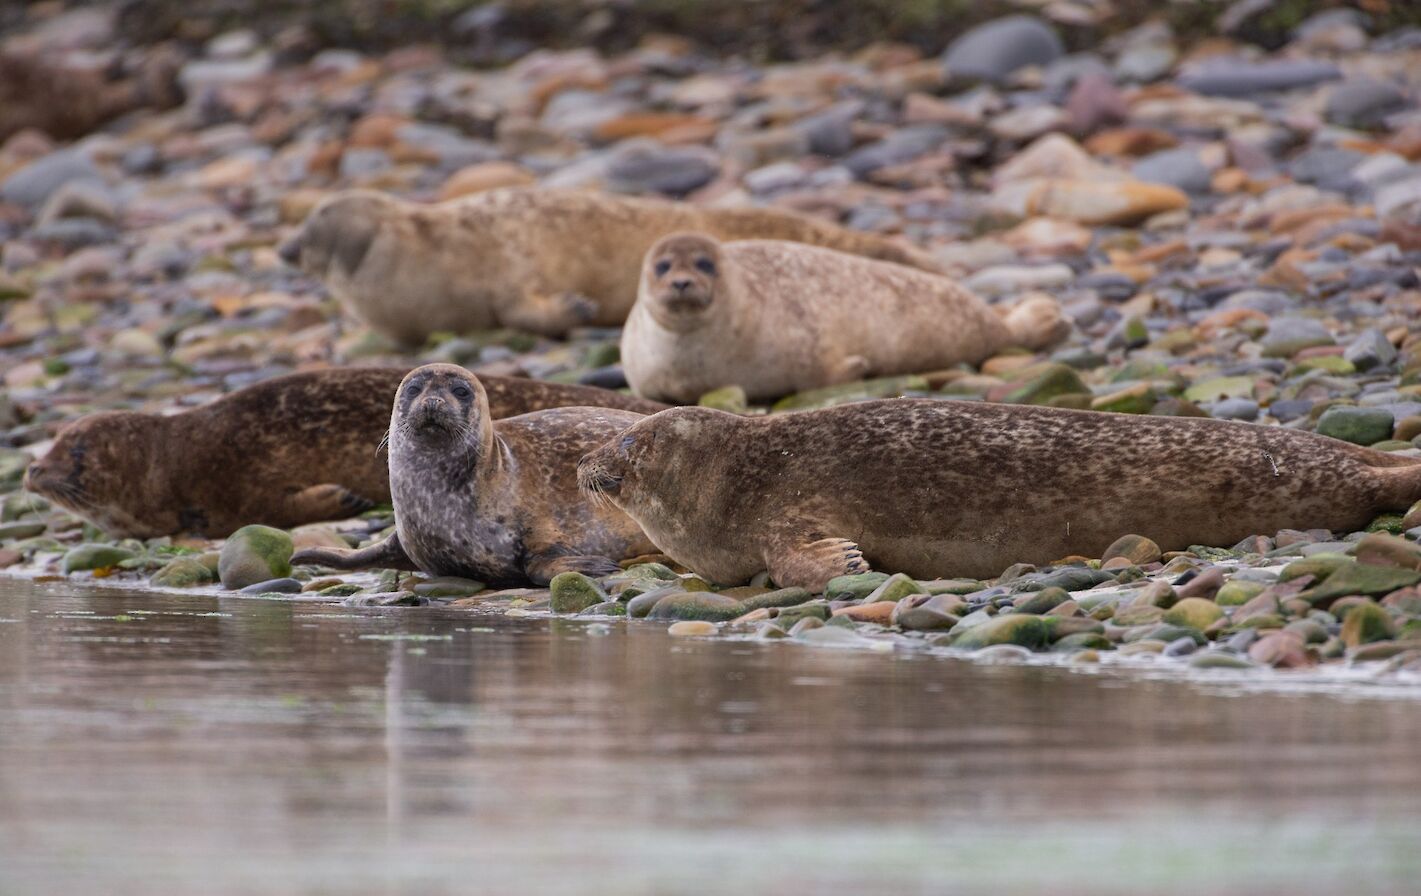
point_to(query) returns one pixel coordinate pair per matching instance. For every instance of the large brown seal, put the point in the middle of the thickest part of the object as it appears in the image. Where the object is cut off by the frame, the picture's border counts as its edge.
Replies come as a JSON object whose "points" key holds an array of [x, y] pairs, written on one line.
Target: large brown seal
{"points": [[948, 488], [495, 501], [522, 257], [294, 449], [777, 317]]}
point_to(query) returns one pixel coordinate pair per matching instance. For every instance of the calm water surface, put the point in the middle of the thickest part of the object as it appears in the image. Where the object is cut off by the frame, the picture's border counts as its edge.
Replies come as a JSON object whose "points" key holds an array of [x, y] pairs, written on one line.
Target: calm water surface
{"points": [[162, 744]]}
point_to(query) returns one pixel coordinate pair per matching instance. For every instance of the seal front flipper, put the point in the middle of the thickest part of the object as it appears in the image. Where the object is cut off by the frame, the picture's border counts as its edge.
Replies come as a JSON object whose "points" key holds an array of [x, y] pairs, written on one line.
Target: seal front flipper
{"points": [[387, 554], [327, 501], [812, 564], [541, 568], [548, 315]]}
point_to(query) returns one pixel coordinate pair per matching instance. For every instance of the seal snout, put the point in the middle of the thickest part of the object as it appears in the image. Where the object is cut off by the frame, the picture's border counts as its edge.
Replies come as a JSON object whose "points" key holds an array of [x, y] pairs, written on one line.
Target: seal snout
{"points": [[599, 473], [290, 251]]}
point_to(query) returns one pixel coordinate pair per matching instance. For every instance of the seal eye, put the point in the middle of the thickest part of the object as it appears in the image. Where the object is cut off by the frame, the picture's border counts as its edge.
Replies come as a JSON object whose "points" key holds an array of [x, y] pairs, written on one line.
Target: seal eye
{"points": [[411, 390], [626, 443], [461, 391], [662, 268], [705, 266]]}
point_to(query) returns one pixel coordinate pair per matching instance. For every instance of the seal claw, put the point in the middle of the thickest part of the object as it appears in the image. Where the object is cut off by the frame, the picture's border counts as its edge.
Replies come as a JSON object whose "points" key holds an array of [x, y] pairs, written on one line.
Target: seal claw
{"points": [[812, 564]]}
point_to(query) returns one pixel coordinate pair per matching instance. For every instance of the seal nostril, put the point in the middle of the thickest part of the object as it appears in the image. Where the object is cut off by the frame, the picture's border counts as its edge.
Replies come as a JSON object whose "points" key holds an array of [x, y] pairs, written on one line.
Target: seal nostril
{"points": [[290, 252], [681, 285]]}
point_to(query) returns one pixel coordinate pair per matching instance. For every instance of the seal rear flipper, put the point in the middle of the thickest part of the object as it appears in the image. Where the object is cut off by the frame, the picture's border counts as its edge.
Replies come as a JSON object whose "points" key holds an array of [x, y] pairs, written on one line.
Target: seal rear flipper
{"points": [[387, 554], [541, 568], [812, 564], [327, 501], [1036, 322]]}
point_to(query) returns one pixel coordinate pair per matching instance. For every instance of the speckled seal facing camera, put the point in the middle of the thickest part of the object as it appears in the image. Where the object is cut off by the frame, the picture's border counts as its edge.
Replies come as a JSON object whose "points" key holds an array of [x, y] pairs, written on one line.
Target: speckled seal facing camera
{"points": [[492, 500], [291, 450], [950, 488], [532, 259], [777, 317]]}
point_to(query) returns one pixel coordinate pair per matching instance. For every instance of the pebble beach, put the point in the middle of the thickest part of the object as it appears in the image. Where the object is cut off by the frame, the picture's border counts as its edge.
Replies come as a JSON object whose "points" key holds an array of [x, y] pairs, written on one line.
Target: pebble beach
{"points": [[1232, 227]]}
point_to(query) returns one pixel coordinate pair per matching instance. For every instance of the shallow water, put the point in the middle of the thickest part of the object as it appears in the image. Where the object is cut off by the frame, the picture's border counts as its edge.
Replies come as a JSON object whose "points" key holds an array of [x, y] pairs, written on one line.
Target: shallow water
{"points": [[163, 744]]}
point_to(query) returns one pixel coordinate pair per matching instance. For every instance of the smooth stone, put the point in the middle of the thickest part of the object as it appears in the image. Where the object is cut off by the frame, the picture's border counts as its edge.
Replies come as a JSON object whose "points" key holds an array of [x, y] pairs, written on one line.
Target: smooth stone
{"points": [[854, 587], [1016, 628], [1282, 650], [1363, 103], [1236, 78], [641, 605], [672, 171], [573, 592], [184, 572], [1366, 623], [935, 613], [691, 628], [702, 605], [16, 531], [87, 557], [1138, 549], [784, 597], [1039, 384], [1235, 409], [1370, 349], [1194, 612], [1362, 579], [448, 586], [1358, 425], [1038, 602], [731, 399], [254, 554], [1180, 647], [1082, 641], [894, 589], [1287, 336], [1181, 168], [1381, 549], [285, 585], [35, 182], [993, 50]]}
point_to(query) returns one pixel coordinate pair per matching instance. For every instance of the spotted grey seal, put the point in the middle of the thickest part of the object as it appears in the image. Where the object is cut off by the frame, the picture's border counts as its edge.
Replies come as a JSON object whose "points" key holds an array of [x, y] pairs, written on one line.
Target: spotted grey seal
{"points": [[949, 488], [495, 501]]}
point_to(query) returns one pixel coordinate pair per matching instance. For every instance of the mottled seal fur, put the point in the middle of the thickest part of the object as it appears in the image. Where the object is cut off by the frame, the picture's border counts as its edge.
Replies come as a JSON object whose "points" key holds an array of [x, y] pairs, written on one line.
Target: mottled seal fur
{"points": [[947, 488], [294, 449], [495, 501], [523, 257], [776, 317]]}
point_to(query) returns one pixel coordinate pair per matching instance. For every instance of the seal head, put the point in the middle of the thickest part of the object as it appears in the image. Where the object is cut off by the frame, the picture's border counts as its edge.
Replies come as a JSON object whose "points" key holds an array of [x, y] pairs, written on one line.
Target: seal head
{"points": [[681, 274], [87, 470], [338, 234]]}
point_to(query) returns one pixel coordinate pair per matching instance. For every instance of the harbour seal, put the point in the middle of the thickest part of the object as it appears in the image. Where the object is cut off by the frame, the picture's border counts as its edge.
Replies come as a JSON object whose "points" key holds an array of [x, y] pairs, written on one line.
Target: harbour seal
{"points": [[949, 488], [776, 317], [495, 501], [533, 259], [291, 450]]}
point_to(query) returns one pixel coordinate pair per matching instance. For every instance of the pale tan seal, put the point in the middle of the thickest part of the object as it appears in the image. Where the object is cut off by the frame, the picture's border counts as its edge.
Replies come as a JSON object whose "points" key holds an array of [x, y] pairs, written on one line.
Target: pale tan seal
{"points": [[291, 450], [777, 317], [533, 259], [948, 488], [495, 501]]}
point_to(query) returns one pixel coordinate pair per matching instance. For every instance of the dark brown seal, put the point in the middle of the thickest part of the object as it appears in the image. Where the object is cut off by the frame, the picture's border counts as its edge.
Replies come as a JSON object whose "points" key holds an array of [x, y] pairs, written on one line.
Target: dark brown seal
{"points": [[495, 501], [947, 488], [291, 450], [524, 257]]}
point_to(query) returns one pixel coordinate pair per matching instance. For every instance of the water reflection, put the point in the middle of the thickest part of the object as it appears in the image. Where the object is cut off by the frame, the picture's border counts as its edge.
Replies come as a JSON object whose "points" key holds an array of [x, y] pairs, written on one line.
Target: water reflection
{"points": [[180, 744]]}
